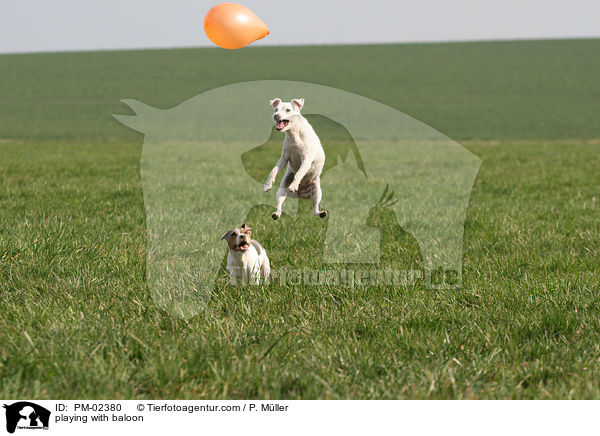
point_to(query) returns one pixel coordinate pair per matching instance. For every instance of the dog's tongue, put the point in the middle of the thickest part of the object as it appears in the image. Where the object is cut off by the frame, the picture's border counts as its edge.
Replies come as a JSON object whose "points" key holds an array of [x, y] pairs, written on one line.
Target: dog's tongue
{"points": [[280, 124]]}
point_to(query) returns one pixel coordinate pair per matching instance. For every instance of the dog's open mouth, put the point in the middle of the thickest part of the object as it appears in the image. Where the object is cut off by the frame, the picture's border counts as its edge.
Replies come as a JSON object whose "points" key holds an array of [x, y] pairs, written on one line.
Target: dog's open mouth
{"points": [[281, 124], [242, 246]]}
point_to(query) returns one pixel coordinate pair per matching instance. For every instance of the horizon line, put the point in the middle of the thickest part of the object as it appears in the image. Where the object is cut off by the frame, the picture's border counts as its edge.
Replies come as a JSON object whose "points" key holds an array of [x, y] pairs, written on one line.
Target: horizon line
{"points": [[334, 44]]}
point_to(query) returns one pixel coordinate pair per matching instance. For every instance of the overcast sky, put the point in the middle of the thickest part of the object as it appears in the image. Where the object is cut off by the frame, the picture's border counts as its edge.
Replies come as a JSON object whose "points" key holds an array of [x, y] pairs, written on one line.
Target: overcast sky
{"points": [[61, 25]]}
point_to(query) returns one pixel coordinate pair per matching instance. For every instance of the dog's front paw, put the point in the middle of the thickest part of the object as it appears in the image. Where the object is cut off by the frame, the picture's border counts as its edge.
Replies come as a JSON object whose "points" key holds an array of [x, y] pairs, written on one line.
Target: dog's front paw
{"points": [[293, 187], [267, 187]]}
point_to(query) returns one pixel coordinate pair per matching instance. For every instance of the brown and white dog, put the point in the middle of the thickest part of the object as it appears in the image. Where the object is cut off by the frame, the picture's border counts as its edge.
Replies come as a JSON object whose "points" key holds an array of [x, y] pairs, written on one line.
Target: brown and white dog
{"points": [[247, 259]]}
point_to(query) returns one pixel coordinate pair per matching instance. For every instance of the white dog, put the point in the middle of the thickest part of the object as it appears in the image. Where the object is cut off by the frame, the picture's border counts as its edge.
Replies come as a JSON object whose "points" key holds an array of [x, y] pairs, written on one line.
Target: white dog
{"points": [[303, 154], [247, 259]]}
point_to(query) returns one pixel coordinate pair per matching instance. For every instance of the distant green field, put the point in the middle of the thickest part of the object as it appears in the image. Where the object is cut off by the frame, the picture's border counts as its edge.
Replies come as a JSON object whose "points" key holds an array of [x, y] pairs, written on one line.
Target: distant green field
{"points": [[491, 90], [78, 320]]}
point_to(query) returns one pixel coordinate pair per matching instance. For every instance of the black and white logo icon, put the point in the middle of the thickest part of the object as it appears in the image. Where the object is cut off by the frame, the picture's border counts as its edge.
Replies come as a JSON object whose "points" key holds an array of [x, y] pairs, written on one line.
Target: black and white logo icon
{"points": [[26, 415]]}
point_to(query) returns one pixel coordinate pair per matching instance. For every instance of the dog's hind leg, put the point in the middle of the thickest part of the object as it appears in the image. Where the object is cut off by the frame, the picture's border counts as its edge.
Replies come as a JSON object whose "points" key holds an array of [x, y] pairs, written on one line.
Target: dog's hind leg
{"points": [[316, 195], [283, 192], [265, 270]]}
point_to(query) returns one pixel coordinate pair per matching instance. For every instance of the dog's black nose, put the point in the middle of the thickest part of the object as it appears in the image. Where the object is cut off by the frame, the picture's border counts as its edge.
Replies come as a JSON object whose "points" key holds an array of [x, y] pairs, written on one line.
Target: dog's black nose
{"points": [[276, 117]]}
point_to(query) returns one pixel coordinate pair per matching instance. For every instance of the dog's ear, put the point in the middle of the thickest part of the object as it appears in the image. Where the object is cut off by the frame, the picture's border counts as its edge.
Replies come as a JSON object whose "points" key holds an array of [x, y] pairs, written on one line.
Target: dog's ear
{"points": [[247, 230], [227, 235], [298, 102], [275, 102]]}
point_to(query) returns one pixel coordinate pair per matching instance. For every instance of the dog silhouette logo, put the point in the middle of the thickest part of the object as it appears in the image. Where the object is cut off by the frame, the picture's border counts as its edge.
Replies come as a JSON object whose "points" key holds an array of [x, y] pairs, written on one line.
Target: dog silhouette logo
{"points": [[26, 415], [204, 162]]}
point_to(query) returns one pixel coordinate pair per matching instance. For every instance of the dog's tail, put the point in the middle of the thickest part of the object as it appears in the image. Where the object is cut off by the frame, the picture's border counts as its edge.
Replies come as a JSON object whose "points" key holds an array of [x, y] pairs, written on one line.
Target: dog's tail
{"points": [[305, 190]]}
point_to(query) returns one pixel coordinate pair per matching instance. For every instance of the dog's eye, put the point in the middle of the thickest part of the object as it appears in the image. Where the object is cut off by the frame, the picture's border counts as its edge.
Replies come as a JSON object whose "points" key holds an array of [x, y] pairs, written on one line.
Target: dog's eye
{"points": [[288, 110]]}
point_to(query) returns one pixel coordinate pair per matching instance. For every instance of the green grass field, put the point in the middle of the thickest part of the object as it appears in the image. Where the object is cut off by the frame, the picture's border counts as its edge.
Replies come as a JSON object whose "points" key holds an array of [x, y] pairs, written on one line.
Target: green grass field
{"points": [[77, 318]]}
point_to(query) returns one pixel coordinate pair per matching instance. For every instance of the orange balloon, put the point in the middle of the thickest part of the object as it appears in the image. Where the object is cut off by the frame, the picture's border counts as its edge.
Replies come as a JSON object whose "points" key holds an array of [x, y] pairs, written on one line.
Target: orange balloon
{"points": [[231, 26]]}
